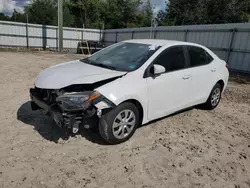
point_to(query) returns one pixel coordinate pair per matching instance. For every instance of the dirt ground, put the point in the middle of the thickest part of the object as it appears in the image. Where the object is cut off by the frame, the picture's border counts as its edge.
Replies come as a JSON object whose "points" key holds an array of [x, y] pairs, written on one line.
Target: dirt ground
{"points": [[193, 149]]}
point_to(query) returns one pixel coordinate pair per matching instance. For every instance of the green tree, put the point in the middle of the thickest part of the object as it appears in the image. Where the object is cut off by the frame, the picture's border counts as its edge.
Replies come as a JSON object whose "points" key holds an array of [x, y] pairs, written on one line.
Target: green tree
{"points": [[188, 12], [42, 12], [111, 13], [147, 14], [68, 17], [18, 17], [4, 17], [184, 12], [161, 18], [227, 11], [87, 12], [122, 13], [45, 12]]}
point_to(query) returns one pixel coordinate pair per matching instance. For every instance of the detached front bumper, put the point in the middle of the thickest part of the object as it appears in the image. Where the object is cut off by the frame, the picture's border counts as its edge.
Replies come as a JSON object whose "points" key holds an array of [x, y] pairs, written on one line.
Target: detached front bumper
{"points": [[38, 103], [88, 118], [64, 119]]}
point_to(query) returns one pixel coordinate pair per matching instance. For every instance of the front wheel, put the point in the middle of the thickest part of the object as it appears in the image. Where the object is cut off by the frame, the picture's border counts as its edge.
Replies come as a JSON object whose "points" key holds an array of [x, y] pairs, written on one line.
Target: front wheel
{"points": [[214, 97], [119, 124]]}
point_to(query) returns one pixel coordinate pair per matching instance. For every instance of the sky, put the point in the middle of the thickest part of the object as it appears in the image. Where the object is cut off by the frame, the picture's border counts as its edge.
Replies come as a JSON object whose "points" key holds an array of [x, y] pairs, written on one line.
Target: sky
{"points": [[7, 6], [158, 4]]}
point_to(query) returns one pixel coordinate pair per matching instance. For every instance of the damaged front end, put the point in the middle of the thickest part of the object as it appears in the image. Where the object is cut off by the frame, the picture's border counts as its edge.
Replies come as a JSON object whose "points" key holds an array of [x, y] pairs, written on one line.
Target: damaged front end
{"points": [[71, 107]]}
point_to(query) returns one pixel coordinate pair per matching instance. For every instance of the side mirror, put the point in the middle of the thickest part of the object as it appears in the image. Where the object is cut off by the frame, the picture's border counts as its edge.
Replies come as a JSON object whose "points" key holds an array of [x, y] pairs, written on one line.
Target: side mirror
{"points": [[157, 69]]}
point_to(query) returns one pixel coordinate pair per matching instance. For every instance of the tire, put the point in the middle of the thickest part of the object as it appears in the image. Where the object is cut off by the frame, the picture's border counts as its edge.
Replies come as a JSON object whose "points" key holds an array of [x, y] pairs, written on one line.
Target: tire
{"points": [[212, 103], [109, 123]]}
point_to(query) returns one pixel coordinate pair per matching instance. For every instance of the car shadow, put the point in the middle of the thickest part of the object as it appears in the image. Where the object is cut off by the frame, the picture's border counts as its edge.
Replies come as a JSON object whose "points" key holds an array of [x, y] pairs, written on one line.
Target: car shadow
{"points": [[46, 127], [174, 114]]}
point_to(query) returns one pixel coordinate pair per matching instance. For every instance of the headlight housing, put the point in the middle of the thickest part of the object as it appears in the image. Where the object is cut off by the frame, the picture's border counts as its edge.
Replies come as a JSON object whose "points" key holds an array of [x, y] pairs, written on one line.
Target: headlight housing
{"points": [[77, 101]]}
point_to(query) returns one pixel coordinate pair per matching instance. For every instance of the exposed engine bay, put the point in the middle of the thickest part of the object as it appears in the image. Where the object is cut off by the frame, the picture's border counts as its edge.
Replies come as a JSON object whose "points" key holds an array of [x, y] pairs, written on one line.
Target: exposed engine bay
{"points": [[74, 106]]}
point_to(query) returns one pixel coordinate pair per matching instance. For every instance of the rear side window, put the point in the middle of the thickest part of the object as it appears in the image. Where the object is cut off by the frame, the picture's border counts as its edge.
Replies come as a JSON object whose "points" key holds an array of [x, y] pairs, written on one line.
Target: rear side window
{"points": [[172, 59], [198, 56]]}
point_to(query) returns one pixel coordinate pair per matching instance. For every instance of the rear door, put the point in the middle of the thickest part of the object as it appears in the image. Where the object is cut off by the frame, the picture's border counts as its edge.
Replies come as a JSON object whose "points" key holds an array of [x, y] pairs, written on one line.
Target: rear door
{"points": [[169, 92], [202, 72]]}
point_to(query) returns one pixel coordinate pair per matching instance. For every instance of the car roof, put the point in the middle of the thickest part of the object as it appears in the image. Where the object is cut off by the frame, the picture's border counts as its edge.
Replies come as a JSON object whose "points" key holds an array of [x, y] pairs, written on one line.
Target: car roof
{"points": [[161, 42], [169, 43]]}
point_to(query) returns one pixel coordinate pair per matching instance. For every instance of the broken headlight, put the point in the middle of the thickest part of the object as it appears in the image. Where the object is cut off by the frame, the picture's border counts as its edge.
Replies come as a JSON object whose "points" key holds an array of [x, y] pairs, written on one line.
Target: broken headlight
{"points": [[77, 101]]}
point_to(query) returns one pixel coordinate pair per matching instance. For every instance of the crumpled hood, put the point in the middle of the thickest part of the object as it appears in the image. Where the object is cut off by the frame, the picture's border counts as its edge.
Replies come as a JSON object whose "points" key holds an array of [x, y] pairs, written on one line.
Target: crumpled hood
{"points": [[74, 72]]}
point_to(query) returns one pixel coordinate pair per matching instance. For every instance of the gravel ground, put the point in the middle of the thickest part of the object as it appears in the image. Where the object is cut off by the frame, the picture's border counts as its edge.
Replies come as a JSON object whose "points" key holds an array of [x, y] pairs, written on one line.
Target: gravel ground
{"points": [[195, 148]]}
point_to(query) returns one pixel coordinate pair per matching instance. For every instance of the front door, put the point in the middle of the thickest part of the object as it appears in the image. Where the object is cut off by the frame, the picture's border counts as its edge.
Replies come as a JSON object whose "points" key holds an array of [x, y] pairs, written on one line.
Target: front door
{"points": [[169, 92]]}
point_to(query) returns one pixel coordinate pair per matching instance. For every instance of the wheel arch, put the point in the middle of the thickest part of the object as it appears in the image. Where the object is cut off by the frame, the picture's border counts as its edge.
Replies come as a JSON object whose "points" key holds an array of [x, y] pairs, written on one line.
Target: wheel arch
{"points": [[221, 82], [139, 107]]}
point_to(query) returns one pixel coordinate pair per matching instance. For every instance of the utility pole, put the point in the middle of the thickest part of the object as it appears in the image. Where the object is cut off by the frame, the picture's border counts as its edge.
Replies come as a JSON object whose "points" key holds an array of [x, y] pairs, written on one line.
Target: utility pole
{"points": [[27, 29], [152, 21], [60, 24], [27, 17]]}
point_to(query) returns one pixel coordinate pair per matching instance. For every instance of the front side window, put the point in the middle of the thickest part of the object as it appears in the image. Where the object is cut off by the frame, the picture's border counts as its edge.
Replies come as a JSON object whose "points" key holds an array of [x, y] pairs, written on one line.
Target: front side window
{"points": [[123, 56], [198, 56], [172, 59]]}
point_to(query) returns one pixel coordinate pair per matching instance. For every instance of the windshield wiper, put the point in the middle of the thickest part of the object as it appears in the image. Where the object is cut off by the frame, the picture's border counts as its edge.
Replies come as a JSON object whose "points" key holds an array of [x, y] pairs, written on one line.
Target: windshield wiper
{"points": [[98, 64], [85, 60], [105, 66]]}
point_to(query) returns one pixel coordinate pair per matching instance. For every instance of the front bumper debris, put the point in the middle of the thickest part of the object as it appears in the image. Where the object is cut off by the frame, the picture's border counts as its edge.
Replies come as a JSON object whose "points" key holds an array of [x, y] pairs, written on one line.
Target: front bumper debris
{"points": [[36, 103], [64, 119]]}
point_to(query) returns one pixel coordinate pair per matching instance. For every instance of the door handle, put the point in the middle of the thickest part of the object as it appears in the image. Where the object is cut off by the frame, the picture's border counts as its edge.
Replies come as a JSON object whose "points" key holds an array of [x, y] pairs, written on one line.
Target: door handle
{"points": [[213, 70], [186, 77]]}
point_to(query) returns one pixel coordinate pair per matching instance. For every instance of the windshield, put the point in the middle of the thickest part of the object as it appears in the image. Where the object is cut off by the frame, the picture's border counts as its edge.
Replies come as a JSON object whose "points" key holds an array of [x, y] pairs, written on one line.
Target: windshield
{"points": [[123, 56]]}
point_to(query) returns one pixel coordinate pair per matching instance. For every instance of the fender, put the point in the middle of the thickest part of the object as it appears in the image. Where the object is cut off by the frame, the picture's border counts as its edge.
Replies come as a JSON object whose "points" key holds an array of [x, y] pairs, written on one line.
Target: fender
{"points": [[126, 88]]}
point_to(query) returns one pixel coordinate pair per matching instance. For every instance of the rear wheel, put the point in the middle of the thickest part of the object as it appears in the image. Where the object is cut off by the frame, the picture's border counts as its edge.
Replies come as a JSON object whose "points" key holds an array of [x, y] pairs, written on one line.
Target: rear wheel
{"points": [[214, 98], [119, 124]]}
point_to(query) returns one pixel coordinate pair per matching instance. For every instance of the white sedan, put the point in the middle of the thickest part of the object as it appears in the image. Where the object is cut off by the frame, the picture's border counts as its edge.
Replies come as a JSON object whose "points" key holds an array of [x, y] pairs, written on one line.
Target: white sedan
{"points": [[128, 84]]}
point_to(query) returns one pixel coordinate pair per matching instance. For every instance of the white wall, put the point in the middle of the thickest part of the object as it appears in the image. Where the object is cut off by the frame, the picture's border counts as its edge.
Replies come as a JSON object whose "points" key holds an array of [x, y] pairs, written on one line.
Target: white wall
{"points": [[14, 34], [217, 37]]}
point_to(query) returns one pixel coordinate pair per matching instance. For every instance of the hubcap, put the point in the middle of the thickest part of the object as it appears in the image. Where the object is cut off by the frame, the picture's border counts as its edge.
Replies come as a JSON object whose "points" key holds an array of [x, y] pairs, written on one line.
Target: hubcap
{"points": [[215, 97], [123, 124]]}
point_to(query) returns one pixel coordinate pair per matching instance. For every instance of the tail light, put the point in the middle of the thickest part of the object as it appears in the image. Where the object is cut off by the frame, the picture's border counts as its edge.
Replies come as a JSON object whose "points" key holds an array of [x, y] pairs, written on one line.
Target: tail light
{"points": [[227, 66]]}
